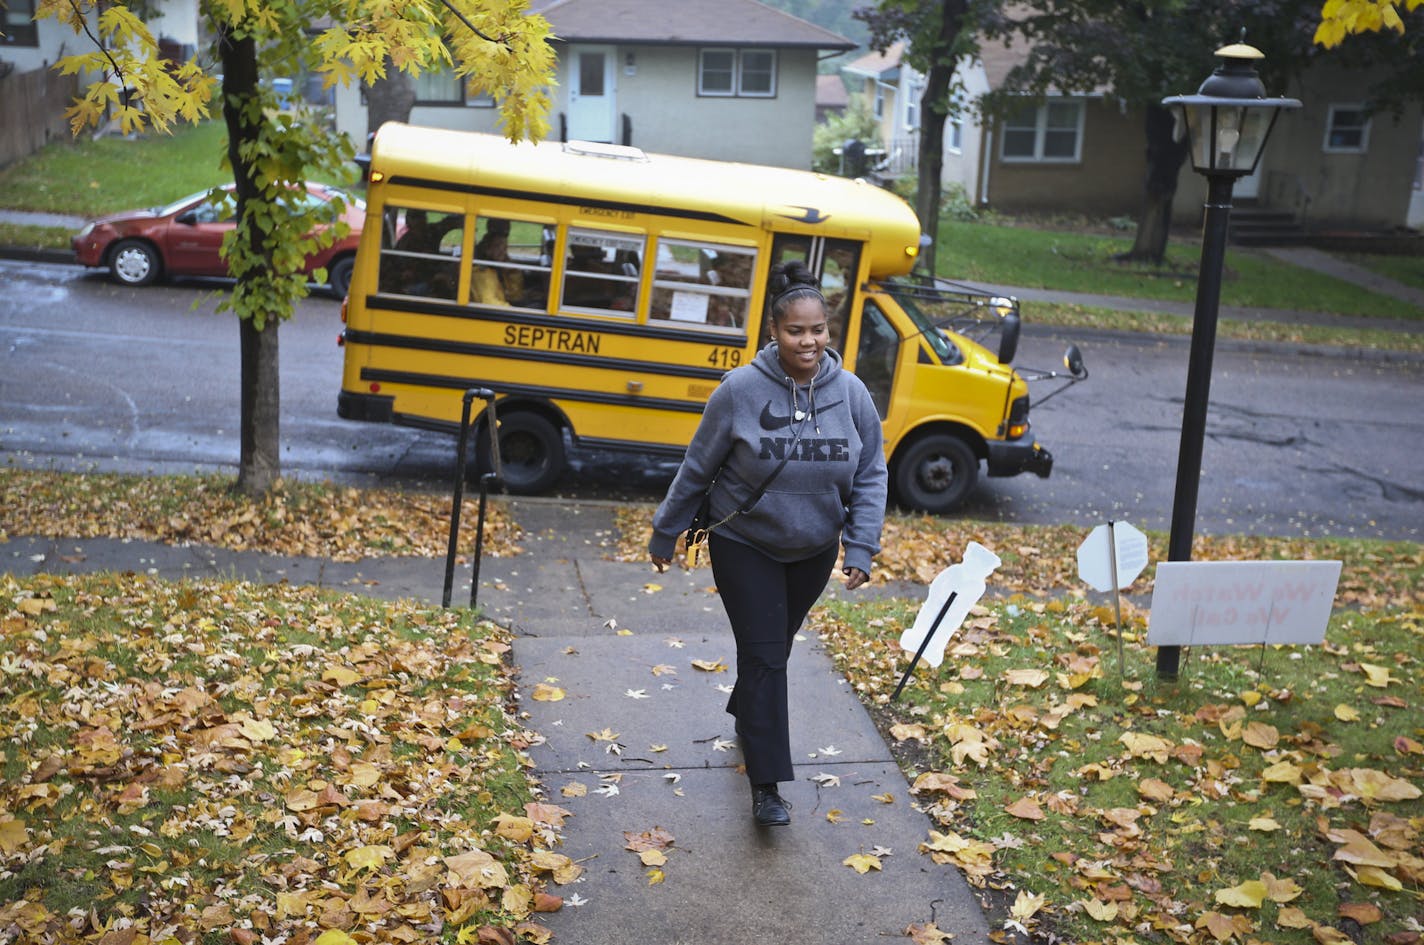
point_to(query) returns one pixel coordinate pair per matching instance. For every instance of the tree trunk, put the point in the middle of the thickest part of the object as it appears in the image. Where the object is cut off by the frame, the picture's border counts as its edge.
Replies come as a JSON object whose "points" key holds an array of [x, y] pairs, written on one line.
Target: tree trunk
{"points": [[934, 109], [1165, 155], [259, 463], [389, 99]]}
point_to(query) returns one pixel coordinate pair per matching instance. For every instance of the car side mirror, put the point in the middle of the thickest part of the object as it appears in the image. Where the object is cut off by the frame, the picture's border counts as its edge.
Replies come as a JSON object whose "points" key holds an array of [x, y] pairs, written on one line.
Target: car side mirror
{"points": [[187, 218], [1073, 361]]}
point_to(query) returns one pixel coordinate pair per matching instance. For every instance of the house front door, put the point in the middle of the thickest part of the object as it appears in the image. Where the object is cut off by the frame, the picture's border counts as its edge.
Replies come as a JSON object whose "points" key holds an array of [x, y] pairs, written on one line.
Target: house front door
{"points": [[591, 94]]}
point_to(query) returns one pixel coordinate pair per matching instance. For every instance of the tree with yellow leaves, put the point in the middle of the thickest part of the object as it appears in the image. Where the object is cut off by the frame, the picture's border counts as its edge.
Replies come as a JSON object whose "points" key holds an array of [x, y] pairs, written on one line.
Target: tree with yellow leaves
{"points": [[495, 45], [1341, 18]]}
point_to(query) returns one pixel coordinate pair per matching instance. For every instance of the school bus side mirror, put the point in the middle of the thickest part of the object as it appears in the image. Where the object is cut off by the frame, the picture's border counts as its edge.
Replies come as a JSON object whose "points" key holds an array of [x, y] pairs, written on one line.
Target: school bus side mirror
{"points": [[1009, 326], [1073, 361]]}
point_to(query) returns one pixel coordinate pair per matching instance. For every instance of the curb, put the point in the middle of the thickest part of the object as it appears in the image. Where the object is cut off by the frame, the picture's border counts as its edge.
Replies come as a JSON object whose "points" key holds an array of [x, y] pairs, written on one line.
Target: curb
{"points": [[29, 254]]}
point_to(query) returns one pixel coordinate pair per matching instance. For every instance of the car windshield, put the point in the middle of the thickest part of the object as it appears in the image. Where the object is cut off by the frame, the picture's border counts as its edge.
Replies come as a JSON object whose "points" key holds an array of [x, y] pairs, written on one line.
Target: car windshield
{"points": [[930, 309], [178, 205]]}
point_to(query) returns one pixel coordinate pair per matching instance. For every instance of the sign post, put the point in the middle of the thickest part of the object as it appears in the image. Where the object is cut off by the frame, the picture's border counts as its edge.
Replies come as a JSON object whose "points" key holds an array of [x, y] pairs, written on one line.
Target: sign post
{"points": [[1109, 559]]}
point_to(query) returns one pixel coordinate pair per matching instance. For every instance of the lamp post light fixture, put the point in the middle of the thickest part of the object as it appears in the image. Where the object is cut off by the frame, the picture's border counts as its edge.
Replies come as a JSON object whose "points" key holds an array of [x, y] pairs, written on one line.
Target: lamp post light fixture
{"points": [[1227, 123]]}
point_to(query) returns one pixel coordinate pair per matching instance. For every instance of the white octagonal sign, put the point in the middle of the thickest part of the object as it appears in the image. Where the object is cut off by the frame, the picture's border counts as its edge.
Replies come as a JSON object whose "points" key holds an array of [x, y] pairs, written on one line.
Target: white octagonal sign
{"points": [[1095, 556]]}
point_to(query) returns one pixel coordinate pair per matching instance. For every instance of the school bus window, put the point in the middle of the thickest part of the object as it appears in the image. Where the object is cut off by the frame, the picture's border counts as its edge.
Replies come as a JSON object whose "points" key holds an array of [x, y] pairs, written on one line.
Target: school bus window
{"points": [[875, 359], [510, 266], [702, 284], [420, 252], [602, 271]]}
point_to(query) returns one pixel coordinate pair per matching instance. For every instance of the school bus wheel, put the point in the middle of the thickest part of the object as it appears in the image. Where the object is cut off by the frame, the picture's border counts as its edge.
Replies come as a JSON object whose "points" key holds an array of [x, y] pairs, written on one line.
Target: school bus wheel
{"points": [[936, 472], [531, 452]]}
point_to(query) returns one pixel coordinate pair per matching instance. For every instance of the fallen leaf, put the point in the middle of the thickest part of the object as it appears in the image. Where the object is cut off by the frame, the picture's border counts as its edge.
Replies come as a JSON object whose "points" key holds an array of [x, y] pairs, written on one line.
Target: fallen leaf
{"points": [[1026, 808], [710, 666], [543, 692], [862, 862]]}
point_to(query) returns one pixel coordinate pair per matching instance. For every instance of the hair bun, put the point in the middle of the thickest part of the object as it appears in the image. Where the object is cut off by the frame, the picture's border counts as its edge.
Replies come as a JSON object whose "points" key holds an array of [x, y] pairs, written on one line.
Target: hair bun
{"points": [[791, 274]]}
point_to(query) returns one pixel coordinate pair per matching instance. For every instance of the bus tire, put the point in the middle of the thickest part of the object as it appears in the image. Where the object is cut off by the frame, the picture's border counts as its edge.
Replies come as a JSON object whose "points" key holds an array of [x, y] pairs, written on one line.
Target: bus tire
{"points": [[936, 473], [338, 276], [531, 450], [135, 262]]}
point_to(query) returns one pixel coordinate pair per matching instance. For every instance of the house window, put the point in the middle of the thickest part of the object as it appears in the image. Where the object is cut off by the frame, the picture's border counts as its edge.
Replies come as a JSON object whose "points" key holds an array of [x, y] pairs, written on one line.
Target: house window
{"points": [[879, 102], [912, 106], [750, 73], [1347, 130], [17, 26], [956, 135], [445, 87], [1048, 133]]}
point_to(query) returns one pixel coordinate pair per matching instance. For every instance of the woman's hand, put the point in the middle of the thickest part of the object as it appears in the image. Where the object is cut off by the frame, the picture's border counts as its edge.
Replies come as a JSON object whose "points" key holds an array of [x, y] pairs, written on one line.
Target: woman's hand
{"points": [[854, 578], [659, 564]]}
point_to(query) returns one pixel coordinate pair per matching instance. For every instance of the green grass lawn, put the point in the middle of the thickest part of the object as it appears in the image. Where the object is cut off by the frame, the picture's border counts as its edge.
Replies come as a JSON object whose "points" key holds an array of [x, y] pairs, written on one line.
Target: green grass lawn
{"points": [[86, 177], [1083, 262], [35, 237], [1406, 269]]}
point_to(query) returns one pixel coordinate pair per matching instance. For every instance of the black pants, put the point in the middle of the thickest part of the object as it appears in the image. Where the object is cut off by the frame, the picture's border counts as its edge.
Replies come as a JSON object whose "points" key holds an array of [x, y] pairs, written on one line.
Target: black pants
{"points": [[766, 601]]}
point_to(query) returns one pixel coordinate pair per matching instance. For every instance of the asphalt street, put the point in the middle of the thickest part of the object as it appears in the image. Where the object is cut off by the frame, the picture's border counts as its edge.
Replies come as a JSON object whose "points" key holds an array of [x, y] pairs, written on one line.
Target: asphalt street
{"points": [[1299, 441]]}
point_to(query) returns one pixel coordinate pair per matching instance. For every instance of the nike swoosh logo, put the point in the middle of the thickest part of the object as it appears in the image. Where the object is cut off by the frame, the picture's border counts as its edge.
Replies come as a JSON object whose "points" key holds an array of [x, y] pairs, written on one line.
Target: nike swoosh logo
{"points": [[770, 421]]}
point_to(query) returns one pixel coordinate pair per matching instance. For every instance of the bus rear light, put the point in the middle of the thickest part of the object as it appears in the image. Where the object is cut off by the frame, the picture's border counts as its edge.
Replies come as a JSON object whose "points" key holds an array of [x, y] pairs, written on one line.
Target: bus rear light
{"points": [[341, 340], [375, 387], [1017, 430], [376, 177]]}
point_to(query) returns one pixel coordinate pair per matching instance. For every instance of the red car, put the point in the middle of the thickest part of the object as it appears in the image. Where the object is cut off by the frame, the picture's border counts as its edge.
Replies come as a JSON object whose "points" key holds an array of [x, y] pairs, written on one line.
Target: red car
{"points": [[183, 239]]}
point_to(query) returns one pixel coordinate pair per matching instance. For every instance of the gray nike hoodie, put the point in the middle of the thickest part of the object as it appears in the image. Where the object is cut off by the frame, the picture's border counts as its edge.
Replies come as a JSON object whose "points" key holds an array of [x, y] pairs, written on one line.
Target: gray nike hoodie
{"points": [[832, 487]]}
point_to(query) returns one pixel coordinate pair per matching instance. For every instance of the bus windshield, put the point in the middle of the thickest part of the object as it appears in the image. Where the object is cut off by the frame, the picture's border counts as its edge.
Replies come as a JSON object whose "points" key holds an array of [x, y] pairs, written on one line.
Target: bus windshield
{"points": [[931, 309]]}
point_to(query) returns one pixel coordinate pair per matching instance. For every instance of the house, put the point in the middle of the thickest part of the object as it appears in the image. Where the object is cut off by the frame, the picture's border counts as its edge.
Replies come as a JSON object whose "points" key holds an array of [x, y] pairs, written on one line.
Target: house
{"points": [[831, 96], [722, 79], [894, 89], [33, 96], [1330, 164]]}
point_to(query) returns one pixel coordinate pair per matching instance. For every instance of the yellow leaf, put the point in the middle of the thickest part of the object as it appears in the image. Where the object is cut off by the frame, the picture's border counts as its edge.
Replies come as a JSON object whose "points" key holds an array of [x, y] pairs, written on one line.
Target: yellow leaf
{"points": [[1281, 890], [1377, 676], [1374, 785], [1026, 904], [653, 857], [1346, 713], [1260, 735], [1374, 876], [1266, 824], [369, 857], [1141, 745], [1026, 808], [1329, 935], [13, 834], [652, 588], [1249, 895], [543, 692], [1292, 918], [710, 666], [257, 730], [518, 829], [835, 815], [886, 798], [574, 789], [1282, 772], [1102, 911], [1360, 850], [862, 862], [1250, 697], [1155, 789], [341, 675], [655, 877], [334, 937], [1032, 678]]}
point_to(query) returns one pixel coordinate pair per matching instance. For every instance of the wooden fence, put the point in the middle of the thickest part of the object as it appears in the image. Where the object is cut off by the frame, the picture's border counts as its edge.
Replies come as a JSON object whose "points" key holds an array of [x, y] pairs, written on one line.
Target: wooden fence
{"points": [[32, 108]]}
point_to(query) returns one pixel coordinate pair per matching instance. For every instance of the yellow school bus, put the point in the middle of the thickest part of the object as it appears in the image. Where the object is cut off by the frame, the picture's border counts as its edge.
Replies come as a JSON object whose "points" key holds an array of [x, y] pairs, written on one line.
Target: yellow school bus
{"points": [[601, 292]]}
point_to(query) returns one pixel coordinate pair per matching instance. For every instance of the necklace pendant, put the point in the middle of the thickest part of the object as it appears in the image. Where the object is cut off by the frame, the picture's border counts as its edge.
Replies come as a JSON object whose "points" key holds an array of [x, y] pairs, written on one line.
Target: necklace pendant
{"points": [[800, 415]]}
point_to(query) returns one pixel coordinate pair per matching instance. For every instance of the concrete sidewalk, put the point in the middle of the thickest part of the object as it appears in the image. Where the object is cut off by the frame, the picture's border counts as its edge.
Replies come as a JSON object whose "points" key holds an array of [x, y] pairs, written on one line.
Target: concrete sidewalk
{"points": [[619, 640]]}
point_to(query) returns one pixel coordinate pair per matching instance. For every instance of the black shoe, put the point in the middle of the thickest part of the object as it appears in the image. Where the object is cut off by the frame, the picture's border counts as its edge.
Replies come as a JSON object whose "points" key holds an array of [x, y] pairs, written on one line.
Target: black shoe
{"points": [[768, 808]]}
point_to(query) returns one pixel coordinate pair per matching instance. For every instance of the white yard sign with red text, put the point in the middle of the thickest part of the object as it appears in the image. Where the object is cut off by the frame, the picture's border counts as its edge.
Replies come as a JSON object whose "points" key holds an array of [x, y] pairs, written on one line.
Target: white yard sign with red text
{"points": [[1204, 603]]}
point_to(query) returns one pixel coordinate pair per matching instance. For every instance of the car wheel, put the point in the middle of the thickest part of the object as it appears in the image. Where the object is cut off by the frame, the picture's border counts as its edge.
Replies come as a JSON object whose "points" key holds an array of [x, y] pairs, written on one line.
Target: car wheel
{"points": [[134, 262], [531, 451], [338, 276], [936, 473]]}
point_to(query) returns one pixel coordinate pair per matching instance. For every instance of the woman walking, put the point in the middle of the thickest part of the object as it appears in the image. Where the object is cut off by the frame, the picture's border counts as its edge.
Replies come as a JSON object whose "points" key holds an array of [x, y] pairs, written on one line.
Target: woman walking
{"points": [[789, 454]]}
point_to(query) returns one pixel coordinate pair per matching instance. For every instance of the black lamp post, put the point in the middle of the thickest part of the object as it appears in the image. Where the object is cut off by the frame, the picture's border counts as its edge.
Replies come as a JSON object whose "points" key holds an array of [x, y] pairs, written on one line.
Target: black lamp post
{"points": [[1227, 122]]}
